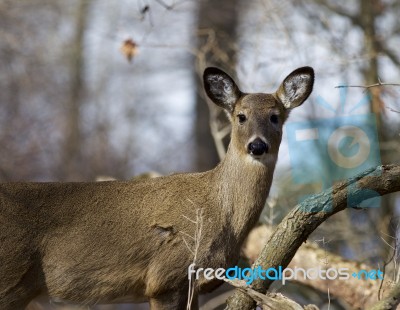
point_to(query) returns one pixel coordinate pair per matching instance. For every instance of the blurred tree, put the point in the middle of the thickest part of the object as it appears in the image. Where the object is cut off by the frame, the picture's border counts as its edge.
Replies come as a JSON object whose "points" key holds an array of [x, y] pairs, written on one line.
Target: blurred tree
{"points": [[217, 25], [29, 91], [71, 154]]}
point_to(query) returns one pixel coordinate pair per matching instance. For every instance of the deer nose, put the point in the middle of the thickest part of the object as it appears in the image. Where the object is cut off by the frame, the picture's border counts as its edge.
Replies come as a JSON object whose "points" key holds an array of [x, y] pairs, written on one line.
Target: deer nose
{"points": [[257, 147]]}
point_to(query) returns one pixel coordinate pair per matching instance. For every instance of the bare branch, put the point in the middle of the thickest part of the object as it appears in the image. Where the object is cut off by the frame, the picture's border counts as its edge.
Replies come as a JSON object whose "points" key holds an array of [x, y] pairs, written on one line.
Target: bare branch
{"points": [[393, 110], [386, 263], [380, 83], [163, 4]]}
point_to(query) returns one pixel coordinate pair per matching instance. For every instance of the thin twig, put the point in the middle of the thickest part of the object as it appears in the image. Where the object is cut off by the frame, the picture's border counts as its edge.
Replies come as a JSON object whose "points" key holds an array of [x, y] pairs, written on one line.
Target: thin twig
{"points": [[380, 83], [271, 204], [325, 262], [387, 243], [187, 245], [194, 222], [163, 4], [384, 271], [329, 300], [197, 239], [186, 234], [393, 110]]}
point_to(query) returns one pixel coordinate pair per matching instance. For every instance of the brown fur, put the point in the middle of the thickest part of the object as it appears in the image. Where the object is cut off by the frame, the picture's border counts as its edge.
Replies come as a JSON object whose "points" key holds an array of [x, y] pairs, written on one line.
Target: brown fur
{"points": [[122, 241]]}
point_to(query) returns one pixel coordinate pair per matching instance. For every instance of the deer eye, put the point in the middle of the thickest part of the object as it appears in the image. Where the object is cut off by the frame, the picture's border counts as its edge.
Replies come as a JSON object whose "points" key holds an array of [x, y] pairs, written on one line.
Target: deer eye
{"points": [[274, 119], [242, 118]]}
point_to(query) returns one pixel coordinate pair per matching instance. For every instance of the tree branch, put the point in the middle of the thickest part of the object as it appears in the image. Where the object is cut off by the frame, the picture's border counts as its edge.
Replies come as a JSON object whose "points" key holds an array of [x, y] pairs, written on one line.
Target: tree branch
{"points": [[393, 110], [390, 302], [307, 216]]}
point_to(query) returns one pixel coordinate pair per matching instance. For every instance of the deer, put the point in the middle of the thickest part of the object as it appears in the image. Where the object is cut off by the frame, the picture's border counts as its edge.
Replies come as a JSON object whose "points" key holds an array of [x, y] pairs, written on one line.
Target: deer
{"points": [[89, 243]]}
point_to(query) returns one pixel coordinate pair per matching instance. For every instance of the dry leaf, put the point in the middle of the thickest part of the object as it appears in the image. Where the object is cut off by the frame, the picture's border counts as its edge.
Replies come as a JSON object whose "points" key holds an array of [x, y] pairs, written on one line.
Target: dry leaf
{"points": [[130, 49]]}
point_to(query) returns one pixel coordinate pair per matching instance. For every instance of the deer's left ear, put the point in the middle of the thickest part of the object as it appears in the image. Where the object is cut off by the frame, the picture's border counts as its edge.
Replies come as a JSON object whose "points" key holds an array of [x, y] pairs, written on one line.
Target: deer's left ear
{"points": [[221, 88], [296, 87]]}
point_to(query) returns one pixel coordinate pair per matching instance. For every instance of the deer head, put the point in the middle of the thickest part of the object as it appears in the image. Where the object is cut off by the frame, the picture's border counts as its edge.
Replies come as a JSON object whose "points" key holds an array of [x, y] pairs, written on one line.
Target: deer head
{"points": [[257, 119]]}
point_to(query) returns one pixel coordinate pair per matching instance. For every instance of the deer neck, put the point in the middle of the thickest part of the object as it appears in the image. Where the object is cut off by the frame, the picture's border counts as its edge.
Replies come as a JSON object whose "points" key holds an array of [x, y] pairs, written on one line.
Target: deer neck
{"points": [[243, 187]]}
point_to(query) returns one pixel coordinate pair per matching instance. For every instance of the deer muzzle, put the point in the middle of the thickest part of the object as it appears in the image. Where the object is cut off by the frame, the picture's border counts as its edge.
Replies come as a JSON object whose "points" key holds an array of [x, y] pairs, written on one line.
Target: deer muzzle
{"points": [[257, 147]]}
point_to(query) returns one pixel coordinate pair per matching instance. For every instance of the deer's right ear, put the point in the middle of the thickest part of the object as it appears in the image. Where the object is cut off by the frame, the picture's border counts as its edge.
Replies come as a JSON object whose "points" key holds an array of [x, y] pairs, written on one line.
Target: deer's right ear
{"points": [[221, 88]]}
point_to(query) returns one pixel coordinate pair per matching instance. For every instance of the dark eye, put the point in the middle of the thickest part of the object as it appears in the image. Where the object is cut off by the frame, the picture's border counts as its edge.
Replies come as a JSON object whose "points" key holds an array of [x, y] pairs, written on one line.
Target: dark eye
{"points": [[274, 119], [242, 118]]}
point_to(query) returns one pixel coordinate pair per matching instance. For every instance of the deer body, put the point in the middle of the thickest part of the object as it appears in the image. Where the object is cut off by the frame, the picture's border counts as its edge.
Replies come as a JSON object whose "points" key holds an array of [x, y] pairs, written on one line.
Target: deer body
{"points": [[129, 241]]}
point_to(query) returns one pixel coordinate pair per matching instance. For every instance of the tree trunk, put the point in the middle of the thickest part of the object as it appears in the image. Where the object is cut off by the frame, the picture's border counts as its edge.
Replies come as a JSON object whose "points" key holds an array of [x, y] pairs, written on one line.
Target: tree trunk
{"points": [[73, 136], [219, 18]]}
